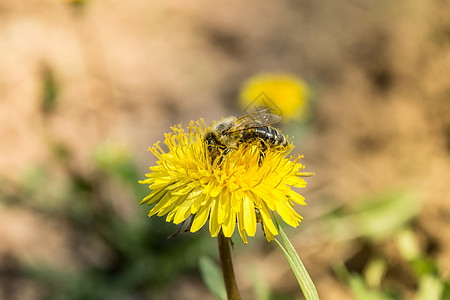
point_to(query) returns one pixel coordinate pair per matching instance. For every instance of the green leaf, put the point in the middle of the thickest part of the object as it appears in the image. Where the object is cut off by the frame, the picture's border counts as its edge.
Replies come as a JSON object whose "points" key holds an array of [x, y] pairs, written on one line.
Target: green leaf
{"points": [[374, 272], [358, 286], [430, 288], [212, 276], [362, 292], [377, 217], [303, 279], [407, 244]]}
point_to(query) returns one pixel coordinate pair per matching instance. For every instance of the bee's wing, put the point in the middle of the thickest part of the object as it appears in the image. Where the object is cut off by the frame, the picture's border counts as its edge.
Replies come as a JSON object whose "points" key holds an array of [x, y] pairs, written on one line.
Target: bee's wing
{"points": [[257, 119]]}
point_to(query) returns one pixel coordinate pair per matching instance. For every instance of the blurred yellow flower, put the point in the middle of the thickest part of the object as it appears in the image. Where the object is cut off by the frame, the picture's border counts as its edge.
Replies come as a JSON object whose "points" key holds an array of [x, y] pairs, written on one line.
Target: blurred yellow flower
{"points": [[242, 189], [286, 92]]}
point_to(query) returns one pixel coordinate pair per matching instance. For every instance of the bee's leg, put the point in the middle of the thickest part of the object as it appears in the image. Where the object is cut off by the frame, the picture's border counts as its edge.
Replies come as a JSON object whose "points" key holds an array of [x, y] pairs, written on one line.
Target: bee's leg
{"points": [[225, 152], [262, 155], [262, 152]]}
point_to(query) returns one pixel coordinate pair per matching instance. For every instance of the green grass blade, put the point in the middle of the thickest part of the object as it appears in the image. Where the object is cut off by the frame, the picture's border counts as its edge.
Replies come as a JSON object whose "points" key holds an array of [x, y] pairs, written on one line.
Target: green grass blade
{"points": [[212, 276], [430, 288], [303, 279]]}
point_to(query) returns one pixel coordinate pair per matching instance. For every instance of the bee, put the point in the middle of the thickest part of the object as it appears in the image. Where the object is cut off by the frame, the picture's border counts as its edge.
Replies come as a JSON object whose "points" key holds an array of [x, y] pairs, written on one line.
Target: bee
{"points": [[228, 134]]}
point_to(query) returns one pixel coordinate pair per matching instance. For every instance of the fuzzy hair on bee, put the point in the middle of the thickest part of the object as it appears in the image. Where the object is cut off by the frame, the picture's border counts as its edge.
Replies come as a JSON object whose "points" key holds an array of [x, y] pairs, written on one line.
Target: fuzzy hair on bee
{"points": [[229, 133]]}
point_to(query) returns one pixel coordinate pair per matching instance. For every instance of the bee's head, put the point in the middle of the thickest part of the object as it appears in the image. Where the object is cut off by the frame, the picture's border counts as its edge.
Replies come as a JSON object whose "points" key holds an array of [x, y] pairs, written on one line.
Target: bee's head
{"points": [[216, 132], [212, 141], [216, 137]]}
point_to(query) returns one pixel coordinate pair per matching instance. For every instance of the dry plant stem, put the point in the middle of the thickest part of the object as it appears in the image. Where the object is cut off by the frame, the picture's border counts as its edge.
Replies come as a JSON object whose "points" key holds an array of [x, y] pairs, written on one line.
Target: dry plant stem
{"points": [[227, 267]]}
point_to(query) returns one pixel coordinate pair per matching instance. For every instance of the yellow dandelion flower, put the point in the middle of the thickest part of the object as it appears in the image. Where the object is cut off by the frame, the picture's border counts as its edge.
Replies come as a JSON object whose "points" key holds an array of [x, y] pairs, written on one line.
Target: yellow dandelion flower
{"points": [[286, 92], [242, 189]]}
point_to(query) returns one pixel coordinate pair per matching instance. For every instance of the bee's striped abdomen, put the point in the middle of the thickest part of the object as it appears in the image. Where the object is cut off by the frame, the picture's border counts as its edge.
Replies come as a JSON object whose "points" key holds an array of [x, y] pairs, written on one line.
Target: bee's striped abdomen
{"points": [[270, 135]]}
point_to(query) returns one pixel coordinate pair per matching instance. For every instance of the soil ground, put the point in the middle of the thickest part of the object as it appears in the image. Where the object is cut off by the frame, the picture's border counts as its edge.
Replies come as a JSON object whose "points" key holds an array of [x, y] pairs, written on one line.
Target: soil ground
{"points": [[126, 72]]}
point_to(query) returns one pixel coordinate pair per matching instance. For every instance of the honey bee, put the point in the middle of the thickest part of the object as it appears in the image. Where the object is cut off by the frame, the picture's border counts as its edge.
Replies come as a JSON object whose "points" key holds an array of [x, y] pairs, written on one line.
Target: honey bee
{"points": [[228, 134]]}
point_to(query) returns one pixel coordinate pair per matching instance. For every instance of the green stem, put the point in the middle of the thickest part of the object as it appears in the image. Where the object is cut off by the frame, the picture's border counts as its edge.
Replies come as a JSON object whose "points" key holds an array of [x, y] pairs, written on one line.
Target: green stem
{"points": [[227, 267]]}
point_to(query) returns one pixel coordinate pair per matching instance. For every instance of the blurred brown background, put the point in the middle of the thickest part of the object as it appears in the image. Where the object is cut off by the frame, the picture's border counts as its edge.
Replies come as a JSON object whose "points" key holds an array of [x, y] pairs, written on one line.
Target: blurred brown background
{"points": [[77, 78]]}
